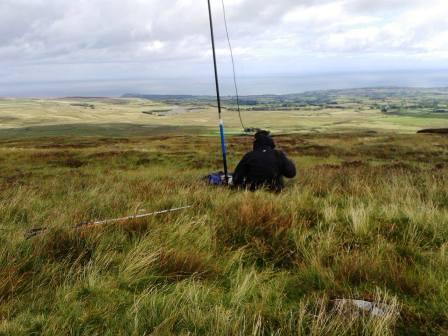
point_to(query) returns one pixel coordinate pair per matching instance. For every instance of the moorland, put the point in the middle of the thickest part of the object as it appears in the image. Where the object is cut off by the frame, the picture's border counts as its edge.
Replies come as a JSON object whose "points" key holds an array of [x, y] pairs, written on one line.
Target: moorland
{"points": [[366, 218]]}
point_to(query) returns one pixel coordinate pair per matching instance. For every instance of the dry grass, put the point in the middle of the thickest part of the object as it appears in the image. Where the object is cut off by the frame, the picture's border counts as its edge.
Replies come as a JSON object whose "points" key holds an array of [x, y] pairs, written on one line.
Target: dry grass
{"points": [[260, 226], [359, 222]]}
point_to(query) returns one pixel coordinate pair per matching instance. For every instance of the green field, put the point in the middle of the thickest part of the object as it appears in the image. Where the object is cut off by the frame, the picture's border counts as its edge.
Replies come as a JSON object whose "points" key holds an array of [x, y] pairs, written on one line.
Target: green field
{"points": [[366, 218], [402, 111]]}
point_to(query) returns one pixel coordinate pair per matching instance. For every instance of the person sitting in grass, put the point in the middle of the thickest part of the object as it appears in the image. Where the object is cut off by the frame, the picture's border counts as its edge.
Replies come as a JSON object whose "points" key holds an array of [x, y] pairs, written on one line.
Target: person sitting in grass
{"points": [[264, 167]]}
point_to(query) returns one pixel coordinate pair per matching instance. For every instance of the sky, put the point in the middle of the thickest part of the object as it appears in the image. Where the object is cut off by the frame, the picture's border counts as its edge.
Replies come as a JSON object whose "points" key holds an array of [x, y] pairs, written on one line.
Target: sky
{"points": [[52, 40]]}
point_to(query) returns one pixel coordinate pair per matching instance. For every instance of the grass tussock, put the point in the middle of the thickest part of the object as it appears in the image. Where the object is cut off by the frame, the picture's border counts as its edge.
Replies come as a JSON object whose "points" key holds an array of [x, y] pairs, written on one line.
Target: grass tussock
{"points": [[63, 245], [365, 219], [14, 276], [260, 226]]}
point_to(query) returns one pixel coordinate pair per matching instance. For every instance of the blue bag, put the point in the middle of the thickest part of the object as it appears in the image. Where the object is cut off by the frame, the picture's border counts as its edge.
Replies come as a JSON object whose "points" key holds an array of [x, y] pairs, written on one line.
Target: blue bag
{"points": [[218, 179]]}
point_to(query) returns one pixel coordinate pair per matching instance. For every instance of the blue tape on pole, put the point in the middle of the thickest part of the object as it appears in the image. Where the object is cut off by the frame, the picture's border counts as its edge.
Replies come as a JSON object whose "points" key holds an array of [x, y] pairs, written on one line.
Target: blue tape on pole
{"points": [[223, 141]]}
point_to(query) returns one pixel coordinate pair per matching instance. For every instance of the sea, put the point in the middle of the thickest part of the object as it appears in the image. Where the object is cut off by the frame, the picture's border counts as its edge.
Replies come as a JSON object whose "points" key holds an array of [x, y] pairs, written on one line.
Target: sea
{"points": [[247, 85]]}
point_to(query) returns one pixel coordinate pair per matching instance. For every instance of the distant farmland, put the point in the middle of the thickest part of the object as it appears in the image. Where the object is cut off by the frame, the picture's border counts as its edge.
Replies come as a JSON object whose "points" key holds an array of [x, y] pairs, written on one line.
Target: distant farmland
{"points": [[397, 110]]}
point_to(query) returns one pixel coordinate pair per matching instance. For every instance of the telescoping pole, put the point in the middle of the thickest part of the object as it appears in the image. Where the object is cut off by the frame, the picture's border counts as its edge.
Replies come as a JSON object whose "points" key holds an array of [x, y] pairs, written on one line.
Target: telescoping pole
{"points": [[218, 97]]}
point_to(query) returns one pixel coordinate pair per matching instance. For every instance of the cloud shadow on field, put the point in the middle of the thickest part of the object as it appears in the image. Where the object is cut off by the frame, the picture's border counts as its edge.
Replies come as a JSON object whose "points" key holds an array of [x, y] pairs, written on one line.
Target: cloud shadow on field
{"points": [[109, 130]]}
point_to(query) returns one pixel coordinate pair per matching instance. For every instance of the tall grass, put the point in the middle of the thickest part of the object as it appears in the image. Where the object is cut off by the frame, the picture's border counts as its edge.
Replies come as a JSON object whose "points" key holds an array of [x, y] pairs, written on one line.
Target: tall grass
{"points": [[354, 224]]}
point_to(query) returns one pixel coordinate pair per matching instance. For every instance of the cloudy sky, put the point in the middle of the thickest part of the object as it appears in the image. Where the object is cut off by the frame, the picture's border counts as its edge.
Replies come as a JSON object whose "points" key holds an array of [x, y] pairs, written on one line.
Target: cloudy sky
{"points": [[122, 39]]}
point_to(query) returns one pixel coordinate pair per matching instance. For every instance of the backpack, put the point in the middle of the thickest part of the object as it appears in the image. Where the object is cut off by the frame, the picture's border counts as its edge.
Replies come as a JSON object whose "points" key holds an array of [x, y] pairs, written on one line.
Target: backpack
{"points": [[218, 179]]}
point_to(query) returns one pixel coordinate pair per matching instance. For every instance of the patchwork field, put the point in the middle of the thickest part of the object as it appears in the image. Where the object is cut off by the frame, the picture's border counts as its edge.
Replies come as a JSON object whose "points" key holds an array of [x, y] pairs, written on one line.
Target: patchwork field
{"points": [[395, 110]]}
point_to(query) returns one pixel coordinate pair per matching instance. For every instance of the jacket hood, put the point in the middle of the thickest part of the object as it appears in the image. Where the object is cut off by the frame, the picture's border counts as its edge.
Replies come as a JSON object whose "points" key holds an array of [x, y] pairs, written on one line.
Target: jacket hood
{"points": [[263, 141]]}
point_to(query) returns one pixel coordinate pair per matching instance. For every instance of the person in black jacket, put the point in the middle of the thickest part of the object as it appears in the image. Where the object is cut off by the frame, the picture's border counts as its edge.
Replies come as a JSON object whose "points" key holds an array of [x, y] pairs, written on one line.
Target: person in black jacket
{"points": [[264, 167]]}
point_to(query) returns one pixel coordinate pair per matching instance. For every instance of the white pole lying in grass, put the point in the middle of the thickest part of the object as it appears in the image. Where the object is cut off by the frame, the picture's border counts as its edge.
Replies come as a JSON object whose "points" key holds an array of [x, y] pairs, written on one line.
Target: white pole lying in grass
{"points": [[34, 232], [110, 221]]}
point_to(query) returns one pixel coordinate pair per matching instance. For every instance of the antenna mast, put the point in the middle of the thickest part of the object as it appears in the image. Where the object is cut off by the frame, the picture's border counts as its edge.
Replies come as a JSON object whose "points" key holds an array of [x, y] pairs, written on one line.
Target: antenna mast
{"points": [[218, 97]]}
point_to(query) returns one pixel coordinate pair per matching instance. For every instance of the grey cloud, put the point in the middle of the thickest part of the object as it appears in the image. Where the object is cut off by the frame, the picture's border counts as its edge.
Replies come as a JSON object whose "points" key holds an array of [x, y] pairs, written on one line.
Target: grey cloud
{"points": [[387, 6], [173, 35]]}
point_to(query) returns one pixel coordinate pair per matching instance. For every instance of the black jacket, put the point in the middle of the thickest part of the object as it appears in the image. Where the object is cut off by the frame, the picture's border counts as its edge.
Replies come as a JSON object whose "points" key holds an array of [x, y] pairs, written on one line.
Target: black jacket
{"points": [[264, 167]]}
